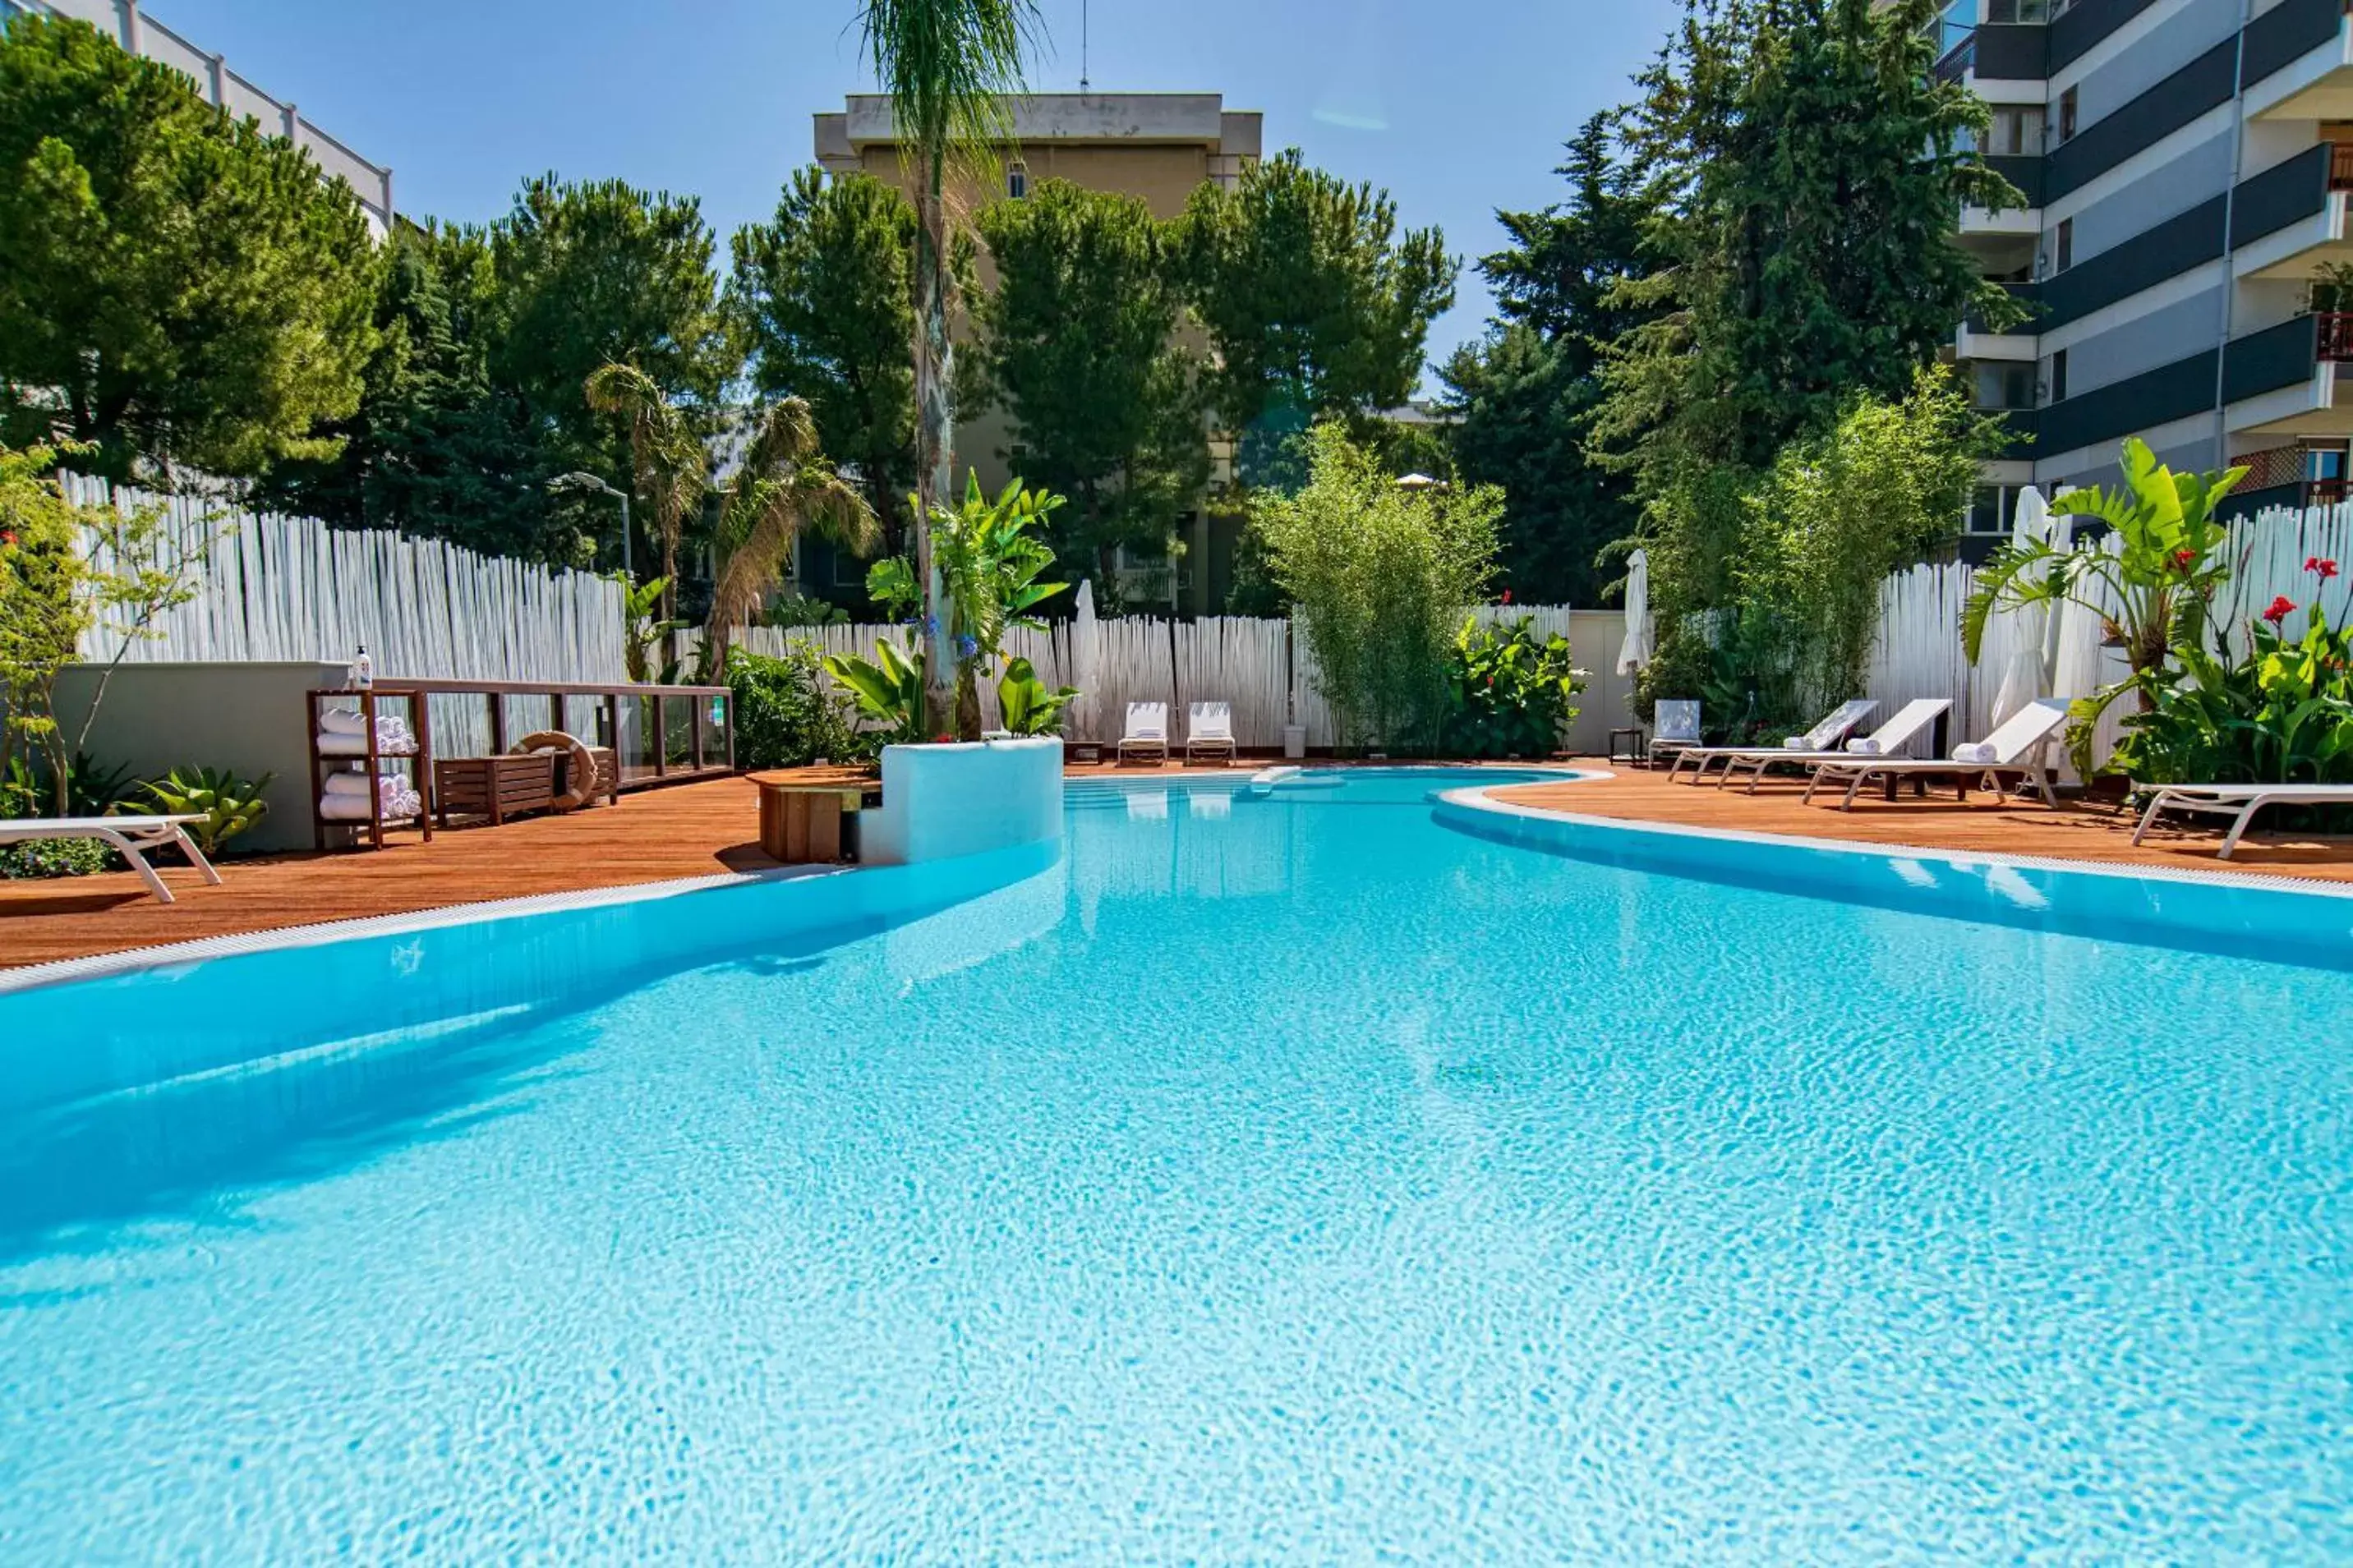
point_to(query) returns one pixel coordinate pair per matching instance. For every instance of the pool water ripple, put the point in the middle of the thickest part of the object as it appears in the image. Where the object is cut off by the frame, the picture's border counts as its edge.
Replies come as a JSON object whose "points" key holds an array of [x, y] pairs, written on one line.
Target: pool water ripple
{"points": [[1289, 1179]]}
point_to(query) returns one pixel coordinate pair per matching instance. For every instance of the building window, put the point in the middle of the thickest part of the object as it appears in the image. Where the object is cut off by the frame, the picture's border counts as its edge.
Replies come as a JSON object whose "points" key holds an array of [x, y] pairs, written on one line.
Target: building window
{"points": [[2066, 244], [2002, 385], [1016, 181], [1990, 510], [2059, 376], [2016, 131], [2067, 115]]}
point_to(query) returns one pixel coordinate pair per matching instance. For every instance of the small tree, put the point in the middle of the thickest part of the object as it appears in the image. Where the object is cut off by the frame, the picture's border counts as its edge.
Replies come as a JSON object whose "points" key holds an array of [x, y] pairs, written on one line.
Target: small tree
{"points": [[45, 607], [670, 467], [66, 571], [1837, 512], [785, 485], [1379, 577]]}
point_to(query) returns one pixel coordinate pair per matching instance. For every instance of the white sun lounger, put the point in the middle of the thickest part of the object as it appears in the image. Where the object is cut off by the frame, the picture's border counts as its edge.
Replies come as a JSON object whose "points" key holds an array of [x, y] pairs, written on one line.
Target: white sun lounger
{"points": [[1826, 736], [1901, 729], [1148, 729], [133, 836], [2238, 802], [1209, 727], [2016, 746]]}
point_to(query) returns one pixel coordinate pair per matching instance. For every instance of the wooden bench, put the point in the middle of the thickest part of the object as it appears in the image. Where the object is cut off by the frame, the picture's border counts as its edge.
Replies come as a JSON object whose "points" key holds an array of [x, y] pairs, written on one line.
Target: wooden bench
{"points": [[495, 787], [814, 819]]}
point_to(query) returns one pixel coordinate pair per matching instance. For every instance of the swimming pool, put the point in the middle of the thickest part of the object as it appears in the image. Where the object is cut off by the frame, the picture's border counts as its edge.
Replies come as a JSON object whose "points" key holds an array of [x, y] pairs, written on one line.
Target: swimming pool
{"points": [[1267, 1179]]}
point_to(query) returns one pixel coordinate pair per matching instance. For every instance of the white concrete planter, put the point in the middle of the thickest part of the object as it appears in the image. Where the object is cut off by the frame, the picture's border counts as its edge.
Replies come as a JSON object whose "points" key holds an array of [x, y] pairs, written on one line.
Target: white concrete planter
{"points": [[1294, 740], [964, 799]]}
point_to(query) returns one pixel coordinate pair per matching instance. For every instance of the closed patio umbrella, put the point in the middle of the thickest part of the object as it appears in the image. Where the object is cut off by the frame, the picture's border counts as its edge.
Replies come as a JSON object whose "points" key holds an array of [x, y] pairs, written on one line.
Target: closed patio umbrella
{"points": [[1086, 663], [2018, 629], [1635, 651]]}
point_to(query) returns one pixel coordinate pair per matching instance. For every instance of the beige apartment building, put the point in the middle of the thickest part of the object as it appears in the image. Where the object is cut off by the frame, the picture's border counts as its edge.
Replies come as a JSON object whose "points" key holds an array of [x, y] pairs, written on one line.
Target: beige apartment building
{"points": [[1159, 146]]}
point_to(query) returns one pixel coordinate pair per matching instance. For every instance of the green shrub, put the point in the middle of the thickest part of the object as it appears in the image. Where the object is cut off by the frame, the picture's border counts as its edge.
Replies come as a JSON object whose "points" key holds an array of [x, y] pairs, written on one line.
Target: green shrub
{"points": [[90, 791], [786, 714], [56, 858], [227, 803], [1508, 691]]}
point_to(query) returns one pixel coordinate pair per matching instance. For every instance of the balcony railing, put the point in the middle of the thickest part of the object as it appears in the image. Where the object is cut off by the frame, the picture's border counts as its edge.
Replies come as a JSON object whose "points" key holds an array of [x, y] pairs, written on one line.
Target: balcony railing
{"points": [[2335, 341], [2341, 167], [2324, 492]]}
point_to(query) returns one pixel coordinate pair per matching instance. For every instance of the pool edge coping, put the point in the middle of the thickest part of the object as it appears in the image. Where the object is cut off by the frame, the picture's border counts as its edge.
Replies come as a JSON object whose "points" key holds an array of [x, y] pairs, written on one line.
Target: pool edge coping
{"points": [[1479, 798], [317, 933]]}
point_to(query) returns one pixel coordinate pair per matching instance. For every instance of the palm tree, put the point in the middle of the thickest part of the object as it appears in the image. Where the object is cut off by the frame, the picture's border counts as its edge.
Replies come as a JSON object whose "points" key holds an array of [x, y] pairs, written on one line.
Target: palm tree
{"points": [[670, 467], [785, 486], [948, 66]]}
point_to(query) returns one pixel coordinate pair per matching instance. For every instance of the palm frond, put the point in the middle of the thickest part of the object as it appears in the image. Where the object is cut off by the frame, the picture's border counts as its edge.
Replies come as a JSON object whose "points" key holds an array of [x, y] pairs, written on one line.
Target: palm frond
{"points": [[949, 67]]}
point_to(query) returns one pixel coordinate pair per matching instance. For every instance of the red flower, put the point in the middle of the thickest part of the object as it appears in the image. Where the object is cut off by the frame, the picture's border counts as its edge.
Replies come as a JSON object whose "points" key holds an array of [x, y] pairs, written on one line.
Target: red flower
{"points": [[7, 541], [1507, 596], [2322, 565], [2183, 559], [1490, 680], [944, 738], [2282, 607]]}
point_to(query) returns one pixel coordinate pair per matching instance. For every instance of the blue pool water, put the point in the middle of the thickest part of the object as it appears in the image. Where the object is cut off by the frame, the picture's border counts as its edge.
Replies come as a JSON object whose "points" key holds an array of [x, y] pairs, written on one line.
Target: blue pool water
{"points": [[1294, 1179]]}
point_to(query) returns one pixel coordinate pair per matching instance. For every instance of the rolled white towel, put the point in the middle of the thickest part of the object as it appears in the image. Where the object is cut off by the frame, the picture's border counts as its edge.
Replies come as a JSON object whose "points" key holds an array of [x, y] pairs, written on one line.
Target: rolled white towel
{"points": [[342, 722], [353, 784], [397, 800], [1863, 747], [1796, 743], [1974, 752], [392, 735]]}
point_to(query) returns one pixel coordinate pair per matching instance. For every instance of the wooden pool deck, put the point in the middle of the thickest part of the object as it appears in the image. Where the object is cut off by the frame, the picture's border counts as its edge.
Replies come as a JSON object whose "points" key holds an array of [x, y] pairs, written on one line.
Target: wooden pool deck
{"points": [[711, 827]]}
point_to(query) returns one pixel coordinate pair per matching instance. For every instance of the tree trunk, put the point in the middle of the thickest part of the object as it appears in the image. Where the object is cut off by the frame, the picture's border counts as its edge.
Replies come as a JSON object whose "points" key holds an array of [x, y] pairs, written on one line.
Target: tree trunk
{"points": [[934, 427]]}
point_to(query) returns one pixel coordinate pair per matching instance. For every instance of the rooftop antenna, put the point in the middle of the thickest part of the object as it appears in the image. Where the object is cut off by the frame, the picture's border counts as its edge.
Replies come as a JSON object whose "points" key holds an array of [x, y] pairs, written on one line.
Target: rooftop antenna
{"points": [[1082, 46]]}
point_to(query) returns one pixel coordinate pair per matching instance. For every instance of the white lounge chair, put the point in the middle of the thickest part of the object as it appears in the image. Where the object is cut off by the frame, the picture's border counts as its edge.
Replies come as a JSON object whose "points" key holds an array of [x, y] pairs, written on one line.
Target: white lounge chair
{"points": [[2016, 746], [1828, 735], [1677, 727], [1901, 729], [1148, 729], [133, 836], [2238, 802], [1209, 727]]}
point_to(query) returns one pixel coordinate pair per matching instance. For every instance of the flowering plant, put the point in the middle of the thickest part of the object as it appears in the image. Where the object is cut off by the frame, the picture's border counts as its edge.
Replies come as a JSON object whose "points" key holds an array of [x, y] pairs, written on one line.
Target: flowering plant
{"points": [[2283, 714], [1508, 691]]}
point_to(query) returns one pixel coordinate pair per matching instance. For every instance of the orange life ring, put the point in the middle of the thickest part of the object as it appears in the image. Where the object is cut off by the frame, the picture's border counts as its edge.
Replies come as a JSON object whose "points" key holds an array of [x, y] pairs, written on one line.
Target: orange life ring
{"points": [[579, 774]]}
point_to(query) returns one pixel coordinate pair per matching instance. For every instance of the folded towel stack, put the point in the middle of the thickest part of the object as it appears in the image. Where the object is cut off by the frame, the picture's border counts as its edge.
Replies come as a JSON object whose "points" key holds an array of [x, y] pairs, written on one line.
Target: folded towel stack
{"points": [[345, 797], [343, 733], [1974, 752], [1865, 747], [1797, 743]]}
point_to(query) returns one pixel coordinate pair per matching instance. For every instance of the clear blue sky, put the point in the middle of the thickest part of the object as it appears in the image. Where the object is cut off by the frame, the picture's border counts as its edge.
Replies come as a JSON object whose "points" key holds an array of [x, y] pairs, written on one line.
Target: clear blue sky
{"points": [[1458, 106]]}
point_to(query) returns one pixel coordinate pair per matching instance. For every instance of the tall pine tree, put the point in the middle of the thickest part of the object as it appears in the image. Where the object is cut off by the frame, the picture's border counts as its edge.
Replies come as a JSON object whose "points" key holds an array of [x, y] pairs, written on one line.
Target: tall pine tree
{"points": [[1525, 394], [1805, 170]]}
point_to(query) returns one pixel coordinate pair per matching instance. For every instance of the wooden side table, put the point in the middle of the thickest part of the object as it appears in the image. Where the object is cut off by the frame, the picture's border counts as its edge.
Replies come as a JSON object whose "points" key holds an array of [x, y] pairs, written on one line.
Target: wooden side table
{"points": [[1633, 754], [805, 823]]}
